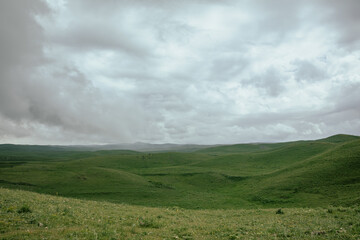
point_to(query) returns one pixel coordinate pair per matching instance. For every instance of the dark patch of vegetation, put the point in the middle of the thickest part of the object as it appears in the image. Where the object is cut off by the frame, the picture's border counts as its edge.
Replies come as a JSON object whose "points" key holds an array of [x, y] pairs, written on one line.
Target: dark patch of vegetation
{"points": [[235, 178], [24, 209], [5, 164], [16, 183], [279, 211], [160, 185]]}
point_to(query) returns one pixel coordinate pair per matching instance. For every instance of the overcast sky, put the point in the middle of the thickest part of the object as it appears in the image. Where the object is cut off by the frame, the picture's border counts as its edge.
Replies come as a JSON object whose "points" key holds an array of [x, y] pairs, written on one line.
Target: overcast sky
{"points": [[205, 71]]}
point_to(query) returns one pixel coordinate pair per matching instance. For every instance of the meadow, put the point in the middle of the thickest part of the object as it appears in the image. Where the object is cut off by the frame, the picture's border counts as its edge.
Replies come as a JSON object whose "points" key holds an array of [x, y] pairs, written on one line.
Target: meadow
{"points": [[220, 192], [27, 215]]}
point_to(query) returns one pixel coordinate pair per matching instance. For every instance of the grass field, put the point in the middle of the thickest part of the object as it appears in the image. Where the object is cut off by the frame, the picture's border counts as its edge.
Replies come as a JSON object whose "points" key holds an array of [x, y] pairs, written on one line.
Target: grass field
{"points": [[294, 174], [240, 186], [26, 215]]}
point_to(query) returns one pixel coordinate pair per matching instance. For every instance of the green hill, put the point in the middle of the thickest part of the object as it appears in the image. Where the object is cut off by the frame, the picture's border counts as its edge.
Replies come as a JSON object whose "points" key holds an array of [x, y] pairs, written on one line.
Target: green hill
{"points": [[340, 138], [293, 174]]}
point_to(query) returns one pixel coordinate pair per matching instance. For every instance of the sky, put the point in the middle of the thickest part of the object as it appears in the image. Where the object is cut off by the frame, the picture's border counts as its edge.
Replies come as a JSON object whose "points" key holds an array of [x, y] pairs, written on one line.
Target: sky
{"points": [[160, 71]]}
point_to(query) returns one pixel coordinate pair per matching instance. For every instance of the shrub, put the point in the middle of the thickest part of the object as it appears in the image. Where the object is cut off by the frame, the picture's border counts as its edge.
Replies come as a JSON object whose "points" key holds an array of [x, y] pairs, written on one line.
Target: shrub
{"points": [[279, 211], [24, 209]]}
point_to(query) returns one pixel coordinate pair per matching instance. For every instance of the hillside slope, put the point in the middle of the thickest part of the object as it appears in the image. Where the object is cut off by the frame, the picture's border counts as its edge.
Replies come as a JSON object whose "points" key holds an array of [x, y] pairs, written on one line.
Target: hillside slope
{"points": [[26, 215], [331, 178]]}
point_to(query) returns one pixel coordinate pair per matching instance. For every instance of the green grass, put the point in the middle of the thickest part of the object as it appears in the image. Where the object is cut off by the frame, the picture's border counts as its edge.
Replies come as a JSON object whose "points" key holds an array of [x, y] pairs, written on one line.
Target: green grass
{"points": [[54, 217], [294, 174], [223, 192]]}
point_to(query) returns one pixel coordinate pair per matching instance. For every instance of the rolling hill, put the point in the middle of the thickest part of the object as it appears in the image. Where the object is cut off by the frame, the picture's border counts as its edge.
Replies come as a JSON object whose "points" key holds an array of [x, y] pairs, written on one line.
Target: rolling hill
{"points": [[263, 175]]}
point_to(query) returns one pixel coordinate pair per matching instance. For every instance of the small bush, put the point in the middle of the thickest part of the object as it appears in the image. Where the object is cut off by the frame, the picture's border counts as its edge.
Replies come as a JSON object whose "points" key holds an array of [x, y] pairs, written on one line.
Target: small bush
{"points": [[24, 209], [32, 221], [232, 237], [279, 211]]}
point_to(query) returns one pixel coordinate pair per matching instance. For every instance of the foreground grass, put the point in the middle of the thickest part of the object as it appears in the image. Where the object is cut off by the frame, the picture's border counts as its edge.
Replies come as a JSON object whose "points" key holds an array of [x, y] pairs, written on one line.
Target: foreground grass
{"points": [[27, 215]]}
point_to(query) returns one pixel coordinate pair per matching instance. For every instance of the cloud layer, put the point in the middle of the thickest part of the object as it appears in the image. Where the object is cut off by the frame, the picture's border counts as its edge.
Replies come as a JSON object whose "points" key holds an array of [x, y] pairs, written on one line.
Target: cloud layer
{"points": [[178, 71]]}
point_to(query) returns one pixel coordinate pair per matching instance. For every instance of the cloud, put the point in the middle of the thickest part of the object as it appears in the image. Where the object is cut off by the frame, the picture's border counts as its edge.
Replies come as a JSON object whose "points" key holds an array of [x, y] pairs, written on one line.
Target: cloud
{"points": [[308, 71], [343, 17], [21, 51], [40, 94], [271, 81], [178, 71]]}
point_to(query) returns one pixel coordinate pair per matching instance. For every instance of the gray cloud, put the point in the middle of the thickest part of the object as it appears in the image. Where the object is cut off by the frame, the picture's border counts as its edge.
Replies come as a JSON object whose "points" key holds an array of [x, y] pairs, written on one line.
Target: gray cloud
{"points": [[308, 71], [21, 51], [39, 95], [343, 16], [178, 71], [271, 81]]}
